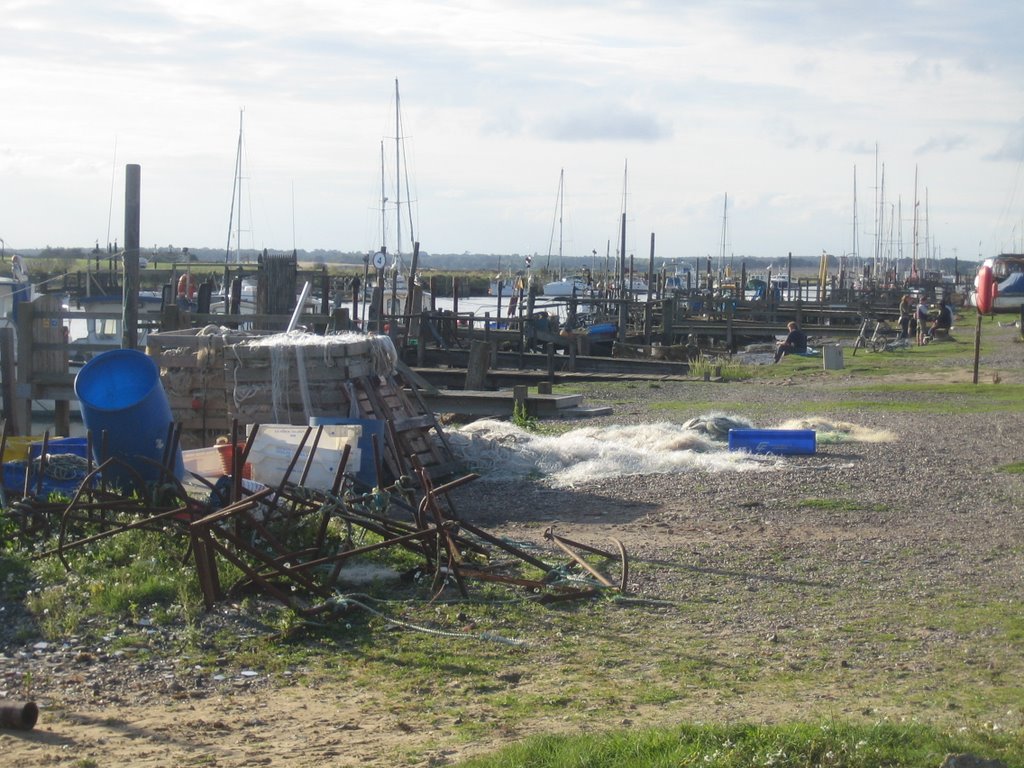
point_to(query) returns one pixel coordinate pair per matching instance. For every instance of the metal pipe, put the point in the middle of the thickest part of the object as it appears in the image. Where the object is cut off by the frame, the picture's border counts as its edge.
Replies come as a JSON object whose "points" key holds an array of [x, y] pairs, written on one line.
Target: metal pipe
{"points": [[20, 717]]}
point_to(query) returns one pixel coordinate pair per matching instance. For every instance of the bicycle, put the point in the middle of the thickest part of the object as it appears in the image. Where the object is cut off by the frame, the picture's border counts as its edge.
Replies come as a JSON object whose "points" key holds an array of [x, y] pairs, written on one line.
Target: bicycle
{"points": [[881, 338]]}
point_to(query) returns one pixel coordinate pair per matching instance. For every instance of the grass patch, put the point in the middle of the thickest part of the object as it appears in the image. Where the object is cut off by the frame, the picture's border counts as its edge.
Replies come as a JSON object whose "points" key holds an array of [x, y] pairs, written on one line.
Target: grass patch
{"points": [[835, 505], [725, 369], [836, 744]]}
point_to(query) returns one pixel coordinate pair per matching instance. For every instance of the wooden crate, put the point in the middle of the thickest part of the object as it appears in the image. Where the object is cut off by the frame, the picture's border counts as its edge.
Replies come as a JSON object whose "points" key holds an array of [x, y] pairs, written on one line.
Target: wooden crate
{"points": [[191, 364], [283, 383], [291, 385]]}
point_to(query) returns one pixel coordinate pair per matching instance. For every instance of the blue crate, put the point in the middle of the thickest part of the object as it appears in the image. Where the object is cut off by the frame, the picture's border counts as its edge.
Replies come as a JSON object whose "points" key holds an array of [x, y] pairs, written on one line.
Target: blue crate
{"points": [[783, 442]]}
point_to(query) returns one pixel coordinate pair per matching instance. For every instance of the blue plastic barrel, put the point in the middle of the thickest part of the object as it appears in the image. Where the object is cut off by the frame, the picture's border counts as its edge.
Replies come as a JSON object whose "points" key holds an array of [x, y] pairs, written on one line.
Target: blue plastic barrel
{"points": [[121, 394], [367, 473], [785, 442]]}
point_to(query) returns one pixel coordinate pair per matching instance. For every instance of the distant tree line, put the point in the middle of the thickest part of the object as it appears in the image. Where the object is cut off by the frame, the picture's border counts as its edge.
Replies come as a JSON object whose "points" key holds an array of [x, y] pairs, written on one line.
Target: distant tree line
{"points": [[156, 256]]}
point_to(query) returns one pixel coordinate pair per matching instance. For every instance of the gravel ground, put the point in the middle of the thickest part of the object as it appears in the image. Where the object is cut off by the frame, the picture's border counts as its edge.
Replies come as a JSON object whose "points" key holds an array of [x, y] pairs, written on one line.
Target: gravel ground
{"points": [[928, 512]]}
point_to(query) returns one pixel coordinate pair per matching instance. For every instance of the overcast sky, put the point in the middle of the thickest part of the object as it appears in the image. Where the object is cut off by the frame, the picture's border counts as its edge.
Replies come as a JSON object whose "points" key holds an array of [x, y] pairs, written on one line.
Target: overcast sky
{"points": [[779, 105]]}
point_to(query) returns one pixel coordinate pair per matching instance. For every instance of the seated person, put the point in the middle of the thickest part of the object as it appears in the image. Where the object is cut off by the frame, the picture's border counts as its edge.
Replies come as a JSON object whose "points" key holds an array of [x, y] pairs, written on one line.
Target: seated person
{"points": [[944, 320], [796, 341]]}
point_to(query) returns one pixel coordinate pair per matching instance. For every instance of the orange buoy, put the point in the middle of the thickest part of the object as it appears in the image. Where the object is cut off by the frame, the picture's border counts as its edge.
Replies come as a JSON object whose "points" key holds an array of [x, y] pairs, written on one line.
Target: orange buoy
{"points": [[186, 287], [986, 290]]}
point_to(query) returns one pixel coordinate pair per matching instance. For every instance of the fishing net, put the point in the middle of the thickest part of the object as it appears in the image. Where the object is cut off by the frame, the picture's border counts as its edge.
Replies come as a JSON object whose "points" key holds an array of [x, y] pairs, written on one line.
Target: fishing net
{"points": [[830, 432], [499, 450], [291, 356]]}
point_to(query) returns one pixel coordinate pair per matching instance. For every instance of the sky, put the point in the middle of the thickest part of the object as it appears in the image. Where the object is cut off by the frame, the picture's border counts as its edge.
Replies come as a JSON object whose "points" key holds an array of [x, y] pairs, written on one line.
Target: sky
{"points": [[720, 128]]}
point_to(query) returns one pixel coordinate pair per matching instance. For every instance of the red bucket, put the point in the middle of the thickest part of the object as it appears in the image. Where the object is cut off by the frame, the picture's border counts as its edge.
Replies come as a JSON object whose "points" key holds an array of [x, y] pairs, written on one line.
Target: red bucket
{"points": [[227, 460]]}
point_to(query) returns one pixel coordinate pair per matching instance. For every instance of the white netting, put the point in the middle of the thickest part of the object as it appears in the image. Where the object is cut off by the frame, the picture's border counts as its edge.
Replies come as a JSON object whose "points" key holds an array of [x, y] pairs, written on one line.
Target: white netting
{"points": [[382, 352], [827, 432], [304, 348], [501, 451]]}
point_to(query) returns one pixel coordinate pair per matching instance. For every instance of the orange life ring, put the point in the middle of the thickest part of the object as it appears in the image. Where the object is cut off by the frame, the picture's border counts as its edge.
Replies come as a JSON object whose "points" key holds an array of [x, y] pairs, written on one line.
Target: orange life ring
{"points": [[186, 287], [986, 290]]}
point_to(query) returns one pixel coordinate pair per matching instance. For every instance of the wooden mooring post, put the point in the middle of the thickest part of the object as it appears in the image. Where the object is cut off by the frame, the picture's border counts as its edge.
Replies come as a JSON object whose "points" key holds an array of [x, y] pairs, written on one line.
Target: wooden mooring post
{"points": [[7, 374]]}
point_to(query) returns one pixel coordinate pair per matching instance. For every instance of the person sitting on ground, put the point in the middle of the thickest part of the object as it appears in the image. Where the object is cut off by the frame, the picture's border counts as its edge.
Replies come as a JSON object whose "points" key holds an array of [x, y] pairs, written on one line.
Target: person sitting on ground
{"points": [[796, 341], [945, 319]]}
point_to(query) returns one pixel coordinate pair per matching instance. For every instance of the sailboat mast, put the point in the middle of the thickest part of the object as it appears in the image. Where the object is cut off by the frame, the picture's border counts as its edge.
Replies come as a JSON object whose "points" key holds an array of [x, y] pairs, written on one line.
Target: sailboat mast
{"points": [[622, 249], [913, 257], [855, 251], [927, 235], [878, 225], [561, 207], [398, 176], [725, 219], [236, 186], [880, 265], [383, 205]]}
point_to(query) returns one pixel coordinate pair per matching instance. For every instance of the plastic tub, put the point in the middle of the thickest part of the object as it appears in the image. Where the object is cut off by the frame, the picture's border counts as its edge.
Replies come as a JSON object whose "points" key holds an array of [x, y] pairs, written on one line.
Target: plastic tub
{"points": [[121, 394], [784, 442], [17, 447], [367, 473], [275, 445]]}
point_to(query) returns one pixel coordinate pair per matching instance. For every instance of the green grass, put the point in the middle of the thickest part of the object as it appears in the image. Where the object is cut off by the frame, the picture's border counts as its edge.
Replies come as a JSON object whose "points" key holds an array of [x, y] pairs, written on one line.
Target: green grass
{"points": [[724, 369], [834, 505], [798, 745]]}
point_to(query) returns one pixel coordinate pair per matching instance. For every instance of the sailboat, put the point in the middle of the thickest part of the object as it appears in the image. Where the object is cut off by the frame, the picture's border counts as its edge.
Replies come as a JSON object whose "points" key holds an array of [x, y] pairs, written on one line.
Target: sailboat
{"points": [[574, 285], [220, 302], [395, 278]]}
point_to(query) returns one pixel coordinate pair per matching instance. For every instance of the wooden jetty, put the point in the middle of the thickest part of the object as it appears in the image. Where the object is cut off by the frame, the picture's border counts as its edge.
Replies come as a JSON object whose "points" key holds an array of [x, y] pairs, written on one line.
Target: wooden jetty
{"points": [[448, 349]]}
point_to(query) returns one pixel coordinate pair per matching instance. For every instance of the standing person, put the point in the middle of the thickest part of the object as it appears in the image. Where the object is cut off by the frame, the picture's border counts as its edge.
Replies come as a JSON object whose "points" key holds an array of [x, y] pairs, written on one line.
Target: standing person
{"points": [[906, 315], [796, 341], [922, 322]]}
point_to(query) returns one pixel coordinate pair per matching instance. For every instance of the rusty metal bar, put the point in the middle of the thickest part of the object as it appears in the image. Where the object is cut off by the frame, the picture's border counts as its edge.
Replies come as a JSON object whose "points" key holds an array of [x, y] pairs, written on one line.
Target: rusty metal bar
{"points": [[535, 562], [62, 546], [625, 565], [580, 561], [549, 533]]}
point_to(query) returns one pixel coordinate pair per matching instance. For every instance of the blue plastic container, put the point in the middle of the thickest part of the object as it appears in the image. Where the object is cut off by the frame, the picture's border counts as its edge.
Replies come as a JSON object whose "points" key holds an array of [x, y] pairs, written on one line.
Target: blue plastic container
{"points": [[14, 480], [367, 473], [121, 394], [14, 475], [783, 442], [79, 446], [603, 329]]}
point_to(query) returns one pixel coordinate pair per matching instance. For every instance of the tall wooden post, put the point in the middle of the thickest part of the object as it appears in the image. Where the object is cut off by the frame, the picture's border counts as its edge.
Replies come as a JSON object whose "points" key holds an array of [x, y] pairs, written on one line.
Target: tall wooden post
{"points": [[623, 305], [651, 290], [132, 216], [7, 374]]}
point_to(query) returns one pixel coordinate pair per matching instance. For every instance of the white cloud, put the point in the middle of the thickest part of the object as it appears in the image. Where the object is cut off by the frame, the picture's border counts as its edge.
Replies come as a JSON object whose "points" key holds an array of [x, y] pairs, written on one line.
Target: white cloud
{"points": [[772, 102]]}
